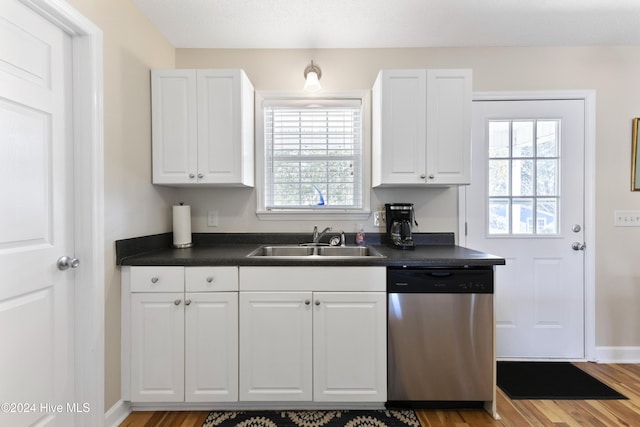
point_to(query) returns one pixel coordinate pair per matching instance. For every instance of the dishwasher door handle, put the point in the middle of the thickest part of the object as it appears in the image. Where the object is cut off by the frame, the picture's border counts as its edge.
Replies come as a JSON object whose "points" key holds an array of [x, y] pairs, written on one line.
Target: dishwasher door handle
{"points": [[440, 274]]}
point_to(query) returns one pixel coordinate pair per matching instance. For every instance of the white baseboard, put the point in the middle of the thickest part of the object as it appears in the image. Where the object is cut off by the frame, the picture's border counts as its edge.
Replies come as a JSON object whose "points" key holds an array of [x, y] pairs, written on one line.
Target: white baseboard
{"points": [[252, 406], [617, 354], [117, 413]]}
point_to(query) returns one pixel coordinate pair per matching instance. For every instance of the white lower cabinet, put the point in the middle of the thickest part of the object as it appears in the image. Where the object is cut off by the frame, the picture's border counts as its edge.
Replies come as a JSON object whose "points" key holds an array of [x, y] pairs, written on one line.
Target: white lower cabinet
{"points": [[323, 346], [349, 347], [292, 334], [183, 345], [275, 346], [157, 347], [211, 347]]}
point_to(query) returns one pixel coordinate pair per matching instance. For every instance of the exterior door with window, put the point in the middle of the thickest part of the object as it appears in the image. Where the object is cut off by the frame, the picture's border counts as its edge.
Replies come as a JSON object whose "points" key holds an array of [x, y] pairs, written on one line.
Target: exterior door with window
{"points": [[526, 203]]}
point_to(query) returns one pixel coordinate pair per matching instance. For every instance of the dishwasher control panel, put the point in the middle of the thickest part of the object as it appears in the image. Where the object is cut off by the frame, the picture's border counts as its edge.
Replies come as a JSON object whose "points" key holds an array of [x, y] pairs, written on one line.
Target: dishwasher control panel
{"points": [[440, 280]]}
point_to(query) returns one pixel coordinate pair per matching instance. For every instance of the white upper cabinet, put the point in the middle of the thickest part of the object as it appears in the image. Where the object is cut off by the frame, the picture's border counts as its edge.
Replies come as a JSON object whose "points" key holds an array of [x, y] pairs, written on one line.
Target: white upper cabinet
{"points": [[202, 127], [421, 127]]}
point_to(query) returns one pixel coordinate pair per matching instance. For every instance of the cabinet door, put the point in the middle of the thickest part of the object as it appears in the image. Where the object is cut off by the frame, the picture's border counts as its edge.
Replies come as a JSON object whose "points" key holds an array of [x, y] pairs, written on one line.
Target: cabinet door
{"points": [[448, 127], [157, 347], [211, 344], [174, 126], [225, 127], [399, 127], [275, 346], [350, 347]]}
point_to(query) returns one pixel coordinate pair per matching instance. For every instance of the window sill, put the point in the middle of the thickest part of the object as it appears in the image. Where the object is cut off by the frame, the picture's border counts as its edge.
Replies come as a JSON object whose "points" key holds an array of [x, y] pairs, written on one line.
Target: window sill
{"points": [[313, 214]]}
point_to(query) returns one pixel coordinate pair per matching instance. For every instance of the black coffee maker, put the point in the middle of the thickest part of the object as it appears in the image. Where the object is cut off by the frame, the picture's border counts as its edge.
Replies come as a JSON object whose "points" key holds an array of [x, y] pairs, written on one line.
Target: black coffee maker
{"points": [[399, 218]]}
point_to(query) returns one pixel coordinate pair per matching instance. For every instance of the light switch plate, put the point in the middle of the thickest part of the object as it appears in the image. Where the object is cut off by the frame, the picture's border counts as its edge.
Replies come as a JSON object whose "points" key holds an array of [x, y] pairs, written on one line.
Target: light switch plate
{"points": [[627, 218], [212, 218]]}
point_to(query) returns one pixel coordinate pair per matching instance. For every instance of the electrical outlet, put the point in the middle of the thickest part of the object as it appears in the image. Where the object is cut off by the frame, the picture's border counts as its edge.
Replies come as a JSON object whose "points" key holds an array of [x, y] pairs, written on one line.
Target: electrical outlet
{"points": [[627, 218], [378, 218], [212, 218]]}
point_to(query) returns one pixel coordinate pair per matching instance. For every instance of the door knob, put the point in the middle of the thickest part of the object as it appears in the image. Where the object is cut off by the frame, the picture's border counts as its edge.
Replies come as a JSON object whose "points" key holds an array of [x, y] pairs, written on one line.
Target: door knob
{"points": [[577, 246], [64, 262]]}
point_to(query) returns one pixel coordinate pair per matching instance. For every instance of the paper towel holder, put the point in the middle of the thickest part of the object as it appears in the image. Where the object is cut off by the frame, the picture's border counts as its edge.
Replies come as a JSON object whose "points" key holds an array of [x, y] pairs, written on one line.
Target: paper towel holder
{"points": [[182, 238], [182, 245]]}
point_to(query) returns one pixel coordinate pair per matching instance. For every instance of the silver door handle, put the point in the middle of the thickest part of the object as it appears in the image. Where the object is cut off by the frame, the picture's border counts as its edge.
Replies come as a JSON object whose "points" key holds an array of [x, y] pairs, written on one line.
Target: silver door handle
{"points": [[64, 262], [577, 246]]}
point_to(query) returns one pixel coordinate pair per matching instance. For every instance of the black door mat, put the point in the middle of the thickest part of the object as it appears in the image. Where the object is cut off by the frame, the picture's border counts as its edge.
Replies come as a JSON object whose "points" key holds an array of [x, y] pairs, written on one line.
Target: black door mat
{"points": [[551, 381], [352, 418]]}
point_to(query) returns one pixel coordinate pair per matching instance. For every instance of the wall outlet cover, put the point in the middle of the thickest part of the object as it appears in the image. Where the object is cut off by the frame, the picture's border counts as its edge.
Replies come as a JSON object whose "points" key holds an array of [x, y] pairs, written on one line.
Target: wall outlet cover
{"points": [[212, 219]]}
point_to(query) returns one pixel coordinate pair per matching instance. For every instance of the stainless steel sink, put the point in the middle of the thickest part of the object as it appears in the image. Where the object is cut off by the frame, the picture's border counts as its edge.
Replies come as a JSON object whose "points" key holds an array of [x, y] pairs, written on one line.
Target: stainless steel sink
{"points": [[348, 251], [317, 252], [283, 251]]}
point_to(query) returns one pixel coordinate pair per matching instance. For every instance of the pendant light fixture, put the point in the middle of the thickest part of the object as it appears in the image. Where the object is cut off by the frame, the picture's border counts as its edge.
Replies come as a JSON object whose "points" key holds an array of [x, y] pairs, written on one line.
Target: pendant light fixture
{"points": [[312, 76]]}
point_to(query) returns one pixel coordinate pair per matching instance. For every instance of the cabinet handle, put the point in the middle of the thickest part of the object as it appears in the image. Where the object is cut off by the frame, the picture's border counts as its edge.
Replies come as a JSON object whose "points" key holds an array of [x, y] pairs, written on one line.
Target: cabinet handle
{"points": [[317, 302], [200, 175], [177, 302], [431, 176], [187, 302], [307, 302], [209, 279], [154, 280], [423, 176], [191, 176]]}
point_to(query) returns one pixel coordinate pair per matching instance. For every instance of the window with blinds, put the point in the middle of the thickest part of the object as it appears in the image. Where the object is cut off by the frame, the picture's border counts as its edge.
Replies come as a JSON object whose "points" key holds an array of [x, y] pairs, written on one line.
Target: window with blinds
{"points": [[313, 154]]}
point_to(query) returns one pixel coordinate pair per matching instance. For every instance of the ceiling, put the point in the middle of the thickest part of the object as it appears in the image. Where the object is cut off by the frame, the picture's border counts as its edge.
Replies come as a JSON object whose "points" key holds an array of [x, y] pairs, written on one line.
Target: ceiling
{"points": [[306, 24]]}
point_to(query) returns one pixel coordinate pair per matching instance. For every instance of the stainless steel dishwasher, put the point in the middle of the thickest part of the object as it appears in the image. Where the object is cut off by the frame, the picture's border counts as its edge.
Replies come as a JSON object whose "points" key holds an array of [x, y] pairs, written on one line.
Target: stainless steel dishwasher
{"points": [[440, 337]]}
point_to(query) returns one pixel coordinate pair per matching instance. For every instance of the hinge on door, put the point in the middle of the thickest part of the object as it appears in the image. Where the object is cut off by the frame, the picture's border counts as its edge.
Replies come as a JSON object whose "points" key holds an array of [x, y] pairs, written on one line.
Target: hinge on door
{"points": [[466, 228]]}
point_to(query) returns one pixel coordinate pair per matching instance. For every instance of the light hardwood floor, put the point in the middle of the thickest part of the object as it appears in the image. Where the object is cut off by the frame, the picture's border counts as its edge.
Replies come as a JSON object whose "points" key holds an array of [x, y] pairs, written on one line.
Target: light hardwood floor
{"points": [[514, 413]]}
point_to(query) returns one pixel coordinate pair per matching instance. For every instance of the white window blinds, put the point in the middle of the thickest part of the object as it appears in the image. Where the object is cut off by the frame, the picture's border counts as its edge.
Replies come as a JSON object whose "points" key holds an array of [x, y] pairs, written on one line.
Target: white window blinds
{"points": [[313, 154]]}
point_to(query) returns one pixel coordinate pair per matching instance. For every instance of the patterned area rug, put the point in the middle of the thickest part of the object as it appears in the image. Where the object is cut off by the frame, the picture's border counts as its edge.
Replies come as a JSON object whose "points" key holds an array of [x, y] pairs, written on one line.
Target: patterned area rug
{"points": [[375, 418]]}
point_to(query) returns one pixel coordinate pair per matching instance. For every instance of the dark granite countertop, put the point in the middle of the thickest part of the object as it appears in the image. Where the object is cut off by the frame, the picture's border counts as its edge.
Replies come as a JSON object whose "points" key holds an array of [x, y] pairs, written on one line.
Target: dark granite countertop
{"points": [[218, 249]]}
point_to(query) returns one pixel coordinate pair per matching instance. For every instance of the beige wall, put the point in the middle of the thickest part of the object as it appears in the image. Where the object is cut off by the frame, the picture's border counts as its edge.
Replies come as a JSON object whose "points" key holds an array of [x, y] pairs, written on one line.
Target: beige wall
{"points": [[133, 207], [611, 71]]}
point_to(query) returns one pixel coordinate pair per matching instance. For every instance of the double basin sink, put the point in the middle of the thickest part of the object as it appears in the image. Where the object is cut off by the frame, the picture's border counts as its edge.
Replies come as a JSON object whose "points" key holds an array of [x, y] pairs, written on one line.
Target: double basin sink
{"points": [[317, 252]]}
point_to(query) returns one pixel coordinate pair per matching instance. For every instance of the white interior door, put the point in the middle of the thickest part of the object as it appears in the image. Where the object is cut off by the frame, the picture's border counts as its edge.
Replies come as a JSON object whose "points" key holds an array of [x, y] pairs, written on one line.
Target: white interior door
{"points": [[526, 203], [36, 221]]}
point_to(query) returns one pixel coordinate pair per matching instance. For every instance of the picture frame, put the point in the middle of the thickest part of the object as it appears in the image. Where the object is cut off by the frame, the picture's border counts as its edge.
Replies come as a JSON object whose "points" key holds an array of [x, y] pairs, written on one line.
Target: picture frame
{"points": [[635, 156]]}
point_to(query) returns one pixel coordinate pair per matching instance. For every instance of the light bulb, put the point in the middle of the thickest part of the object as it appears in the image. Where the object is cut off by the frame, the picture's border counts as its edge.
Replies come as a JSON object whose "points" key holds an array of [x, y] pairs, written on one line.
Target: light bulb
{"points": [[312, 84]]}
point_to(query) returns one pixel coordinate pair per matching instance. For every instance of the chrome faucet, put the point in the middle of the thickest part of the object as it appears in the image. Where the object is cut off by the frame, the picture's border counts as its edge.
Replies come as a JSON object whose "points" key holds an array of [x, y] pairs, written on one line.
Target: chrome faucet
{"points": [[317, 236]]}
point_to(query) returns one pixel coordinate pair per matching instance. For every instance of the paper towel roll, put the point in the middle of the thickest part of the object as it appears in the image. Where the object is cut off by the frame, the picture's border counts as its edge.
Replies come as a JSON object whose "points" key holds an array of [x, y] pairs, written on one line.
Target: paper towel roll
{"points": [[182, 226]]}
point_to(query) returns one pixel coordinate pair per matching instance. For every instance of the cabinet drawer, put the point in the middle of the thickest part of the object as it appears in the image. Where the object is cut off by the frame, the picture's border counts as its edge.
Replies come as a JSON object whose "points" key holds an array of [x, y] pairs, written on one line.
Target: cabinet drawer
{"points": [[211, 279], [157, 279]]}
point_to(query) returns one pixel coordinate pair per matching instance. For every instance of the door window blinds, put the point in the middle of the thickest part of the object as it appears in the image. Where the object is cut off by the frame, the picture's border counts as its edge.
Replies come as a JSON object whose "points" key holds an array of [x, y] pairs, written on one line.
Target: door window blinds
{"points": [[313, 154]]}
